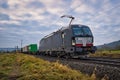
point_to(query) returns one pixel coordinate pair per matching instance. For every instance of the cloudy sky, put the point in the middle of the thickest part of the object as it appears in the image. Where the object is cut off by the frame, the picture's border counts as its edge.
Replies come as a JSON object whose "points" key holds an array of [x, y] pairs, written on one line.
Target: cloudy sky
{"points": [[31, 20]]}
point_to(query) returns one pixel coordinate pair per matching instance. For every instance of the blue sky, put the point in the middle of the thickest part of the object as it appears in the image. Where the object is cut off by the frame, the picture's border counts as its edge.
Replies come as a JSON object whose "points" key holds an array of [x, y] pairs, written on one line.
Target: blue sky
{"points": [[31, 20]]}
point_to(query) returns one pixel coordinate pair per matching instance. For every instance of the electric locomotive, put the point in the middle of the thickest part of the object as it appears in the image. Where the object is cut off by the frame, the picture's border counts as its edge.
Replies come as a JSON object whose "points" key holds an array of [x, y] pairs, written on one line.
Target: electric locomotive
{"points": [[72, 41]]}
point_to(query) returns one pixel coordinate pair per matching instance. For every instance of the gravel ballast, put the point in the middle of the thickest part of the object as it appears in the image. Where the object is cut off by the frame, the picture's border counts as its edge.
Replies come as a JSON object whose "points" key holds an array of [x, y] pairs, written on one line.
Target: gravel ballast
{"points": [[113, 73]]}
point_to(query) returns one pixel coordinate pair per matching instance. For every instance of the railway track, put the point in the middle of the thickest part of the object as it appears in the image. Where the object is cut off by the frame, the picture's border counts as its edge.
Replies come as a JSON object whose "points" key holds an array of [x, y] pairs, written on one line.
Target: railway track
{"points": [[103, 61], [94, 60], [104, 66]]}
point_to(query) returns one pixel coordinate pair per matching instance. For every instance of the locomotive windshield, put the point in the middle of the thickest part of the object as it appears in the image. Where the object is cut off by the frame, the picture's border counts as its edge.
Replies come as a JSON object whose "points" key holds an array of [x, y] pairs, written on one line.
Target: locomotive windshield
{"points": [[81, 31]]}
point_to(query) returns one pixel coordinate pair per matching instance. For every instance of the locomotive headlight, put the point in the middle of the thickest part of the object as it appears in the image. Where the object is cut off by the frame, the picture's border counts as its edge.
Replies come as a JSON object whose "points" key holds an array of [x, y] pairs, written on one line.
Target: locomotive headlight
{"points": [[73, 42]]}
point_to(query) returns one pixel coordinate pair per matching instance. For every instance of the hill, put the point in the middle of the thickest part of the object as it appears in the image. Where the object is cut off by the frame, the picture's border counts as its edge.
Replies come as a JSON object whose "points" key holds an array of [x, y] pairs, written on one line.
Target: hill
{"points": [[110, 46], [8, 49]]}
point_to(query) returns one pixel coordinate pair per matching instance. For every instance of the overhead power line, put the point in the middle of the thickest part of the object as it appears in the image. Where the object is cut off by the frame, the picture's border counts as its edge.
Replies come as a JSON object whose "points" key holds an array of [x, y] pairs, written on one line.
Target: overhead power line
{"points": [[103, 13]]}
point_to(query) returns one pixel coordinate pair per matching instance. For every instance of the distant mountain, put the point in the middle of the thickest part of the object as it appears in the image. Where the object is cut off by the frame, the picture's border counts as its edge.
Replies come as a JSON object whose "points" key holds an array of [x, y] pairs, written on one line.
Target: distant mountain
{"points": [[7, 49], [110, 46]]}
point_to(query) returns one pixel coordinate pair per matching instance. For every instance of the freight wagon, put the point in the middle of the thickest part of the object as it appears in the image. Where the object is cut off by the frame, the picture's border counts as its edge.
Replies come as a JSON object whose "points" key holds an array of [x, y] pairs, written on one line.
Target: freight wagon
{"points": [[31, 49]]}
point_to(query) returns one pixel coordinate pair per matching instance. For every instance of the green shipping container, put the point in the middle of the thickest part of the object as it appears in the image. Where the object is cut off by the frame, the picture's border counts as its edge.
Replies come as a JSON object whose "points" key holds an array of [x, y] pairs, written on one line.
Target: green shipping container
{"points": [[33, 48]]}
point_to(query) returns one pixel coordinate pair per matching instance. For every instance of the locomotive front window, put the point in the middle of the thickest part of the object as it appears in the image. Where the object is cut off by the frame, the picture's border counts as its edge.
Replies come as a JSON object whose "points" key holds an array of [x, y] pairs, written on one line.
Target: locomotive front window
{"points": [[87, 31], [77, 31], [81, 31]]}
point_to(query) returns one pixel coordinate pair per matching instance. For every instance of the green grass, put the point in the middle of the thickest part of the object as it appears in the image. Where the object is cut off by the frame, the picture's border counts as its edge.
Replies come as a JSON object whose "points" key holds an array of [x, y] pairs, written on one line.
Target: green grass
{"points": [[6, 62], [26, 67], [106, 53]]}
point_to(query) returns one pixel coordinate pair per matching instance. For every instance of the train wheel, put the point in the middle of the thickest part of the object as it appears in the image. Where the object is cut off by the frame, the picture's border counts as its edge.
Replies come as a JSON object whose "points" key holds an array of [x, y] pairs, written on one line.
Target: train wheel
{"points": [[67, 56]]}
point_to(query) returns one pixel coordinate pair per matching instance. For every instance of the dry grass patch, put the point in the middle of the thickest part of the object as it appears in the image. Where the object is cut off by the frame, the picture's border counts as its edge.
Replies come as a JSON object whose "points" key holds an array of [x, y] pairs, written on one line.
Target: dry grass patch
{"points": [[111, 54], [32, 68]]}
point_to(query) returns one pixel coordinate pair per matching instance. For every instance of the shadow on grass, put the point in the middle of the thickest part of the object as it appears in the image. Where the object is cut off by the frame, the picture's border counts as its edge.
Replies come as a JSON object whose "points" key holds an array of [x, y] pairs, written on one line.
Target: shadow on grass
{"points": [[4, 76]]}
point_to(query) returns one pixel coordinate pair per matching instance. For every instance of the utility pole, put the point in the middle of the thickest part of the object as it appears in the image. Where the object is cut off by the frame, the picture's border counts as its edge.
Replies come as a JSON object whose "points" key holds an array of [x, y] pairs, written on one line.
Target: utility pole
{"points": [[21, 45], [16, 49]]}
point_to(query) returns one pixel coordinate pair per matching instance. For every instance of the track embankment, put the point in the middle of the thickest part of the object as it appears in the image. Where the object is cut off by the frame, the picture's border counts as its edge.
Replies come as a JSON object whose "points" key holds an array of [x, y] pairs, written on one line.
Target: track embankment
{"points": [[101, 68]]}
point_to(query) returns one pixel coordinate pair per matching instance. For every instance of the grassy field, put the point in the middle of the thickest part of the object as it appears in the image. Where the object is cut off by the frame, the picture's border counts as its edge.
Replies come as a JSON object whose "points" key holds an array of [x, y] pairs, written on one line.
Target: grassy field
{"points": [[26, 67], [106, 53]]}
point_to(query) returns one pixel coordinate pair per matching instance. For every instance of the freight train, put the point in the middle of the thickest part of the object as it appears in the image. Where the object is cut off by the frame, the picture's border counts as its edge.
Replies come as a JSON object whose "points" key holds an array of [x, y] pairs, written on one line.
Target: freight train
{"points": [[30, 49], [72, 41]]}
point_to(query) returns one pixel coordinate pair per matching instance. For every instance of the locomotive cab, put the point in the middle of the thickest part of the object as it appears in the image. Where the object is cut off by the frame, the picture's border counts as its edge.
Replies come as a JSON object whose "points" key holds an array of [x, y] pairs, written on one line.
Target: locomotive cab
{"points": [[82, 39]]}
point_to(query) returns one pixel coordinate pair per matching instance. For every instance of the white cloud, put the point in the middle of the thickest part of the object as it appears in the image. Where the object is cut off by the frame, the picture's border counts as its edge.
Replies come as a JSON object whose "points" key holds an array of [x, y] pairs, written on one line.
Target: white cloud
{"points": [[1, 28], [106, 5], [18, 10], [55, 8], [79, 6], [76, 3], [30, 17], [84, 9], [9, 22], [93, 1], [20, 14], [117, 29]]}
